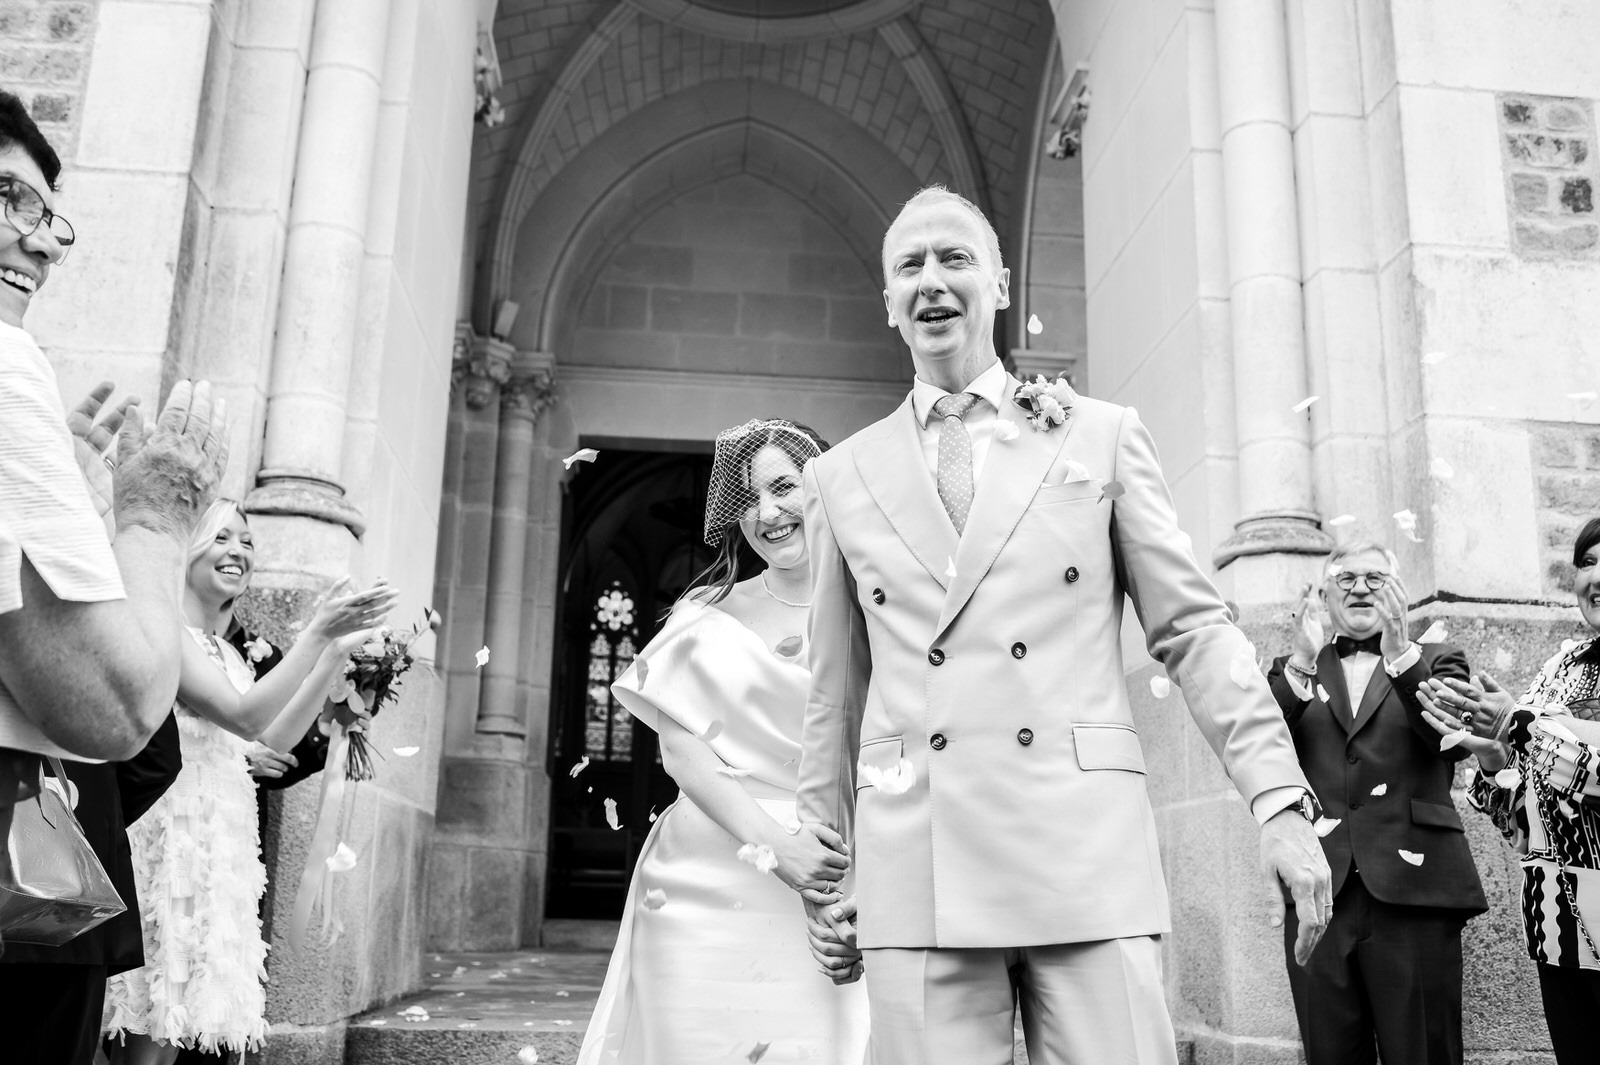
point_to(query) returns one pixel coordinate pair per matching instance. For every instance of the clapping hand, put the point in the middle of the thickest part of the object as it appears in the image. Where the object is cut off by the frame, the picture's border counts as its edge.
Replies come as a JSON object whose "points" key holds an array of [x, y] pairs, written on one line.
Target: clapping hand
{"points": [[92, 440], [831, 934], [1450, 706], [341, 613], [168, 474], [1308, 636], [1391, 603]]}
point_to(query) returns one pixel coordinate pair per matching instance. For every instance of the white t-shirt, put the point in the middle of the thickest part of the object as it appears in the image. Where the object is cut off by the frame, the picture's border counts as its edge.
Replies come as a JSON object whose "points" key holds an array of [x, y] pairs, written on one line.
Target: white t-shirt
{"points": [[45, 509]]}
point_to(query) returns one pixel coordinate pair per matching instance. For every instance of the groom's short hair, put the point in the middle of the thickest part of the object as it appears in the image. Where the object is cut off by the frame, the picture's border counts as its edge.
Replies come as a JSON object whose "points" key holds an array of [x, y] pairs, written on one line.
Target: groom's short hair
{"points": [[1362, 547], [939, 192]]}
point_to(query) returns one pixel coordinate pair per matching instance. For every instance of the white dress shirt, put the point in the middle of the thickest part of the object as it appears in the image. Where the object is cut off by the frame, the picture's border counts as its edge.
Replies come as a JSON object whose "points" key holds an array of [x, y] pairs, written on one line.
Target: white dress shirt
{"points": [[990, 387], [1358, 670]]}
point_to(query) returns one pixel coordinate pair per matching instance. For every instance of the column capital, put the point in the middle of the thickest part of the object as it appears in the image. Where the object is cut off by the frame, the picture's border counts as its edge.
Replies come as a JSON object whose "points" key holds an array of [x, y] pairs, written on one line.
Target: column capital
{"points": [[304, 494], [1287, 532], [528, 395], [479, 366]]}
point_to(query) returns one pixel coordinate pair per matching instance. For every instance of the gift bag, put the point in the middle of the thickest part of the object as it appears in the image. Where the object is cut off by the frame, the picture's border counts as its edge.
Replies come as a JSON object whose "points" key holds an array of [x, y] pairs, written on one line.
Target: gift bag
{"points": [[52, 887]]}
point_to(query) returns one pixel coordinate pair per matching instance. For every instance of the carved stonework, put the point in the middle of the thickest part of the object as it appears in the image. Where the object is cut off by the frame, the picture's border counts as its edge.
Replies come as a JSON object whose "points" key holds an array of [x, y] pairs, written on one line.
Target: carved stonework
{"points": [[528, 395], [480, 366]]}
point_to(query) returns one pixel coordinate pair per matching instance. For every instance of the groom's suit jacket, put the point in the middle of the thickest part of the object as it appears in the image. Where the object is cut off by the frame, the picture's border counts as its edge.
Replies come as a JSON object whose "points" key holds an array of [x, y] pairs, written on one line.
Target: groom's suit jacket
{"points": [[992, 663]]}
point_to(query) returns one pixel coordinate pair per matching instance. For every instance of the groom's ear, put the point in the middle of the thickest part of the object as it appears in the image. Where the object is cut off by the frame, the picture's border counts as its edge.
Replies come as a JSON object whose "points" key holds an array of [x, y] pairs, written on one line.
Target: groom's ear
{"points": [[1003, 282], [888, 305]]}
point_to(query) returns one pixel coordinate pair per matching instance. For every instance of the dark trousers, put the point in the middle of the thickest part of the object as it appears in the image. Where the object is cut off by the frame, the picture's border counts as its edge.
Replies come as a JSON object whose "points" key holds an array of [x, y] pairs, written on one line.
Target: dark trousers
{"points": [[1572, 1011], [50, 1014], [1384, 983]]}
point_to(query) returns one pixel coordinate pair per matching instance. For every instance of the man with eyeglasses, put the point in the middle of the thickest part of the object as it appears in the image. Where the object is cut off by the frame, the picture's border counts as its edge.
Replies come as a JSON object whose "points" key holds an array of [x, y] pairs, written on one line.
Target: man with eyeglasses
{"points": [[89, 628], [1387, 975]]}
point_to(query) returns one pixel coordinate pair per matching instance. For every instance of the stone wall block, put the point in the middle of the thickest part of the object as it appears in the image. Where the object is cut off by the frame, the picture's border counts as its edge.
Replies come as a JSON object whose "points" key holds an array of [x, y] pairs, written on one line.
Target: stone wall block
{"points": [[1550, 167], [686, 311], [483, 800], [448, 866], [785, 317], [494, 899], [1571, 493], [156, 54]]}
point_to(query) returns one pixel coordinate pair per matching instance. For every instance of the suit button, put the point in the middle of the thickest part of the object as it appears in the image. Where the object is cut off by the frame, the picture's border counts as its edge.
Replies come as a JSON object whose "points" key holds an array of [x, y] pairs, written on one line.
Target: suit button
{"points": [[1019, 649], [1355, 804], [877, 596], [936, 657], [1353, 759], [936, 741], [1072, 574], [1025, 736]]}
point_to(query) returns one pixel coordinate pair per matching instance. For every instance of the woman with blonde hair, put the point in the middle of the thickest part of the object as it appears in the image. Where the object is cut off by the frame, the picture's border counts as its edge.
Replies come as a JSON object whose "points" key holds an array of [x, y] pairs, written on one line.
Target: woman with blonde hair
{"points": [[196, 854]]}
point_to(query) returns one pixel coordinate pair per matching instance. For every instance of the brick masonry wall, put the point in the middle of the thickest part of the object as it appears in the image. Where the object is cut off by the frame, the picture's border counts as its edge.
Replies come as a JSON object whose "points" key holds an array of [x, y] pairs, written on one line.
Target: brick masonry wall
{"points": [[1547, 144], [738, 277], [44, 58], [1566, 462]]}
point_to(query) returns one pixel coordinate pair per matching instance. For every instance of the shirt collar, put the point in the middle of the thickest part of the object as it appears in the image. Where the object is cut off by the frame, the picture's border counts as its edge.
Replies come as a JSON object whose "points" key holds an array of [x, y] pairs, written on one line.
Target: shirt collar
{"points": [[990, 385]]}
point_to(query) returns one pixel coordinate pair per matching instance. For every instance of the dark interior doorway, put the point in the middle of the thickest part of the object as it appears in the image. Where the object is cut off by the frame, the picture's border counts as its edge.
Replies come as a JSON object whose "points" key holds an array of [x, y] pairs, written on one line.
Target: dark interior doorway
{"points": [[630, 544]]}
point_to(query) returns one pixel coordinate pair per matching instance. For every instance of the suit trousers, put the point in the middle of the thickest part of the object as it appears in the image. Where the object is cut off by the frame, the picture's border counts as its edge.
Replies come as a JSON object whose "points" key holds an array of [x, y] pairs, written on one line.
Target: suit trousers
{"points": [[1082, 1004], [50, 1014], [1384, 983]]}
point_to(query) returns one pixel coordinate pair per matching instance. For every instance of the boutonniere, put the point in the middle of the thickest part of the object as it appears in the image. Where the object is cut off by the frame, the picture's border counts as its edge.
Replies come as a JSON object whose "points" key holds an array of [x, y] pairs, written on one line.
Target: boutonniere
{"points": [[1047, 402], [257, 649]]}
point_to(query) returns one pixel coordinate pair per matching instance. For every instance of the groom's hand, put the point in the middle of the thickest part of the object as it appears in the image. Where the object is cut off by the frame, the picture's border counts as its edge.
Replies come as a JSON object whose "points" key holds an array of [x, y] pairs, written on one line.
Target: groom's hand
{"points": [[831, 934], [1291, 852]]}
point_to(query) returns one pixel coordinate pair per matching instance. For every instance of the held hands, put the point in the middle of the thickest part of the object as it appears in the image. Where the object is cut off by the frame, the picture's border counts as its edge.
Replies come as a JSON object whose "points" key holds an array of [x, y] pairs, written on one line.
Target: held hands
{"points": [[268, 763], [168, 474], [1290, 851], [1308, 636], [1450, 705], [812, 861], [831, 934], [92, 440]]}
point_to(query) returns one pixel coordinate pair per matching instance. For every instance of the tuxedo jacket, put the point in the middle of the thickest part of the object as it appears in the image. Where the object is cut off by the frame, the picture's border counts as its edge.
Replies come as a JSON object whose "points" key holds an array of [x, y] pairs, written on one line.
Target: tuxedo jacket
{"points": [[1384, 745], [112, 796], [991, 662]]}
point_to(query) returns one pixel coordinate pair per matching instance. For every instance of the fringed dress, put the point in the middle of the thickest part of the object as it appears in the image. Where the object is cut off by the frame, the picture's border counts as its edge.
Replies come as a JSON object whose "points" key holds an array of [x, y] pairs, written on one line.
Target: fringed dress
{"points": [[197, 863]]}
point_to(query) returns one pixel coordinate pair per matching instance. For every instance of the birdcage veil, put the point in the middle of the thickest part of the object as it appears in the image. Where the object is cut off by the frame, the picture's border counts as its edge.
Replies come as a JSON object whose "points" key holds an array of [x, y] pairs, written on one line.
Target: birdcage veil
{"points": [[728, 496]]}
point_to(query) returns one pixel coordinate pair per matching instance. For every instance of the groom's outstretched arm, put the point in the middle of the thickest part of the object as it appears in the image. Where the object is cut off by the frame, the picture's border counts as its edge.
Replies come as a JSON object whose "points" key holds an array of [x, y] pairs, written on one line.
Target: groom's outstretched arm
{"points": [[841, 666]]}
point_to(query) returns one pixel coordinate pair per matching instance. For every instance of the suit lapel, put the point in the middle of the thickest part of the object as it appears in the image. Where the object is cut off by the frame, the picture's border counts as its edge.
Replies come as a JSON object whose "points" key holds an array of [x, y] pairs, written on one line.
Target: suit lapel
{"points": [[1012, 472], [896, 475], [1330, 677]]}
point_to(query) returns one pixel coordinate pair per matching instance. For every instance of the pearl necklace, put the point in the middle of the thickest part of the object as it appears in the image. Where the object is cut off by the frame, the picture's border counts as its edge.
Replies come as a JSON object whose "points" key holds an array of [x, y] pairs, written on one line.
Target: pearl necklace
{"points": [[768, 588]]}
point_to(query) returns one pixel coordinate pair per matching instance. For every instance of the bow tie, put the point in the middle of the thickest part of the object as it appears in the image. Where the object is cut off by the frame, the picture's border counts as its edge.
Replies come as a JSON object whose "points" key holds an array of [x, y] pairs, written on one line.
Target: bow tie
{"points": [[1345, 646]]}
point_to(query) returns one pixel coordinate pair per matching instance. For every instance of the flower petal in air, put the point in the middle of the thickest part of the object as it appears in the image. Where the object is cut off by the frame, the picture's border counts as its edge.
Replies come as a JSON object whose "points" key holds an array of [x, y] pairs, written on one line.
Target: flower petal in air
{"points": [[1508, 778], [1035, 327], [1583, 399], [481, 657], [528, 1056], [405, 752], [1435, 633], [1112, 490], [789, 646], [583, 763], [760, 856], [757, 1052], [1243, 669], [1322, 693], [894, 780], [950, 568], [611, 814], [1004, 430], [642, 668], [1434, 358], [1324, 825], [1380, 791], [342, 860], [1411, 856], [583, 454], [730, 771], [1453, 740], [1441, 469], [1503, 659], [712, 731], [1406, 522], [1341, 520], [654, 899], [1304, 404], [1160, 687]]}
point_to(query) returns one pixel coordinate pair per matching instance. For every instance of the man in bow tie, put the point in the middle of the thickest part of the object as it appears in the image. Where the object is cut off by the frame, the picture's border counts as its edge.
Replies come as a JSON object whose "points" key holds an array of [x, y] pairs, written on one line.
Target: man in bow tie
{"points": [[1386, 980], [971, 555]]}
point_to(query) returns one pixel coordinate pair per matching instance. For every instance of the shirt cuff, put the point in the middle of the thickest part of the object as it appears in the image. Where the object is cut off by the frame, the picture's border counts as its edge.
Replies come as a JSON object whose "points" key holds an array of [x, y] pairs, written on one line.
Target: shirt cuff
{"points": [[1298, 686], [1408, 658], [1274, 801]]}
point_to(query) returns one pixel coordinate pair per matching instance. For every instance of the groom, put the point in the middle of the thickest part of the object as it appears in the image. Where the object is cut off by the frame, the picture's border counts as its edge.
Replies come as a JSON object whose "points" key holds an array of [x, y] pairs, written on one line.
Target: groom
{"points": [[970, 560]]}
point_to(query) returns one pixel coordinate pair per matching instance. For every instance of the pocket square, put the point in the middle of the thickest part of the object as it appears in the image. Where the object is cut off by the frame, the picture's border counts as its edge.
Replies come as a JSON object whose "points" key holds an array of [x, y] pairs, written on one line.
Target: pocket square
{"points": [[1067, 472]]}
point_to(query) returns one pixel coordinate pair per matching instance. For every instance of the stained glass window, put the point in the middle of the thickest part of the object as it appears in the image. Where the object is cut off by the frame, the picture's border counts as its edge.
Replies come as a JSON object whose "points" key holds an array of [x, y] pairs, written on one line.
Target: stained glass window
{"points": [[608, 728]]}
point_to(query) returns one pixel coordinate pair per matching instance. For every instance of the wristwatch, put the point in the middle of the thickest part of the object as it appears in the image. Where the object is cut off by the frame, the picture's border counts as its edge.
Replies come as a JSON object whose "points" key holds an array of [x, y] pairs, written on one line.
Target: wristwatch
{"points": [[1307, 807]]}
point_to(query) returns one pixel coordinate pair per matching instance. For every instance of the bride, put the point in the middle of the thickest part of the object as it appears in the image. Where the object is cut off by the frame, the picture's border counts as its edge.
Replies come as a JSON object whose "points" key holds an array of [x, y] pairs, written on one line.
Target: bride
{"points": [[711, 962]]}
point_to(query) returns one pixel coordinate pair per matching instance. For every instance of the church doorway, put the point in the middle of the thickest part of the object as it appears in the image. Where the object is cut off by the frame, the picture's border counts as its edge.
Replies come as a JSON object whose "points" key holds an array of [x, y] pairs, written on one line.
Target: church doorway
{"points": [[630, 545]]}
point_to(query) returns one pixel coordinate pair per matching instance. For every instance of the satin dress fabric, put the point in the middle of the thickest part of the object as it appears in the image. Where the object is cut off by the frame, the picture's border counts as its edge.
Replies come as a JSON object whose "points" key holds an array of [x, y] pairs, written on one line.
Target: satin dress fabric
{"points": [[711, 962]]}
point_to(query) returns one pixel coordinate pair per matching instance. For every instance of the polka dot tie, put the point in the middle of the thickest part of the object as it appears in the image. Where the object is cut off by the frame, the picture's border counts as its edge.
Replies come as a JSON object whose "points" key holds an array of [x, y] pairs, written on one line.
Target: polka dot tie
{"points": [[955, 457]]}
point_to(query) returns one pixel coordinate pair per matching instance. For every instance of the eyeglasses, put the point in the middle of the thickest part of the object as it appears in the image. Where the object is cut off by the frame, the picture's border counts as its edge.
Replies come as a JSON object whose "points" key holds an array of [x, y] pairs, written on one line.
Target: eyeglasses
{"points": [[1373, 581], [25, 210]]}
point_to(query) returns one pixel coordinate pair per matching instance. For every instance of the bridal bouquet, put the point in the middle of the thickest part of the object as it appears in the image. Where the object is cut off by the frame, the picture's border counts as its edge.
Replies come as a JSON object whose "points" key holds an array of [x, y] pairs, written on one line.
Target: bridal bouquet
{"points": [[371, 679]]}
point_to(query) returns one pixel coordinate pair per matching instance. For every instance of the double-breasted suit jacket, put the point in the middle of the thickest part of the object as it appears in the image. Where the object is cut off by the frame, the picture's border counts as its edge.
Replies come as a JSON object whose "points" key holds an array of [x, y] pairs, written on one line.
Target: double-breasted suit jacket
{"points": [[991, 662], [1385, 746]]}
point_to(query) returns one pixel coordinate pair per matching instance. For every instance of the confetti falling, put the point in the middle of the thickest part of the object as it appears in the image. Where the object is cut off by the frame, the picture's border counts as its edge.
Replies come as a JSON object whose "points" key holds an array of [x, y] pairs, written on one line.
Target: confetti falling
{"points": [[1380, 791], [759, 1051], [1341, 521], [1434, 358], [1406, 521], [759, 855], [342, 860], [414, 1013], [1502, 659], [583, 763], [1305, 404], [1583, 399], [378, 1023], [895, 780], [611, 814], [653, 815], [564, 994], [712, 731], [1160, 687], [1112, 490], [1455, 739], [1324, 825], [642, 668], [1004, 431], [792, 826], [528, 1056], [730, 771], [405, 752], [583, 454], [950, 567], [482, 656], [1435, 633], [1322, 693], [1441, 469], [789, 646], [1243, 669], [1411, 856], [654, 899], [1035, 327], [1508, 778]]}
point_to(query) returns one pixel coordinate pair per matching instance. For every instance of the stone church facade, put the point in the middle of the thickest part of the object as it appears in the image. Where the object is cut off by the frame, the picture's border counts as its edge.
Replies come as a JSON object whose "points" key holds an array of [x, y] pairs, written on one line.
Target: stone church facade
{"points": [[429, 248]]}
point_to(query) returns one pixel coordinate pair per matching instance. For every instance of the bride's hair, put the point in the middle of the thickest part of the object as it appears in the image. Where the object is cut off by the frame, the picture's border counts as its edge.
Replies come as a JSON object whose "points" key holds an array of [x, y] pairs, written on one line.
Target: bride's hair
{"points": [[213, 521], [730, 476]]}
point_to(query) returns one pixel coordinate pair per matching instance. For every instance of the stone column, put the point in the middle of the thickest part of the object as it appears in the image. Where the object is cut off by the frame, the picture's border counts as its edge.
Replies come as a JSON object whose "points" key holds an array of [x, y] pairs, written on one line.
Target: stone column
{"points": [[317, 311], [1279, 519], [527, 395]]}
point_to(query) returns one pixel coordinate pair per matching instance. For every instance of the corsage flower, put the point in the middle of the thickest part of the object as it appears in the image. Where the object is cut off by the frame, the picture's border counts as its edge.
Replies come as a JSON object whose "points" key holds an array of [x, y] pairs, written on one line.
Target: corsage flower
{"points": [[257, 649], [1047, 402]]}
